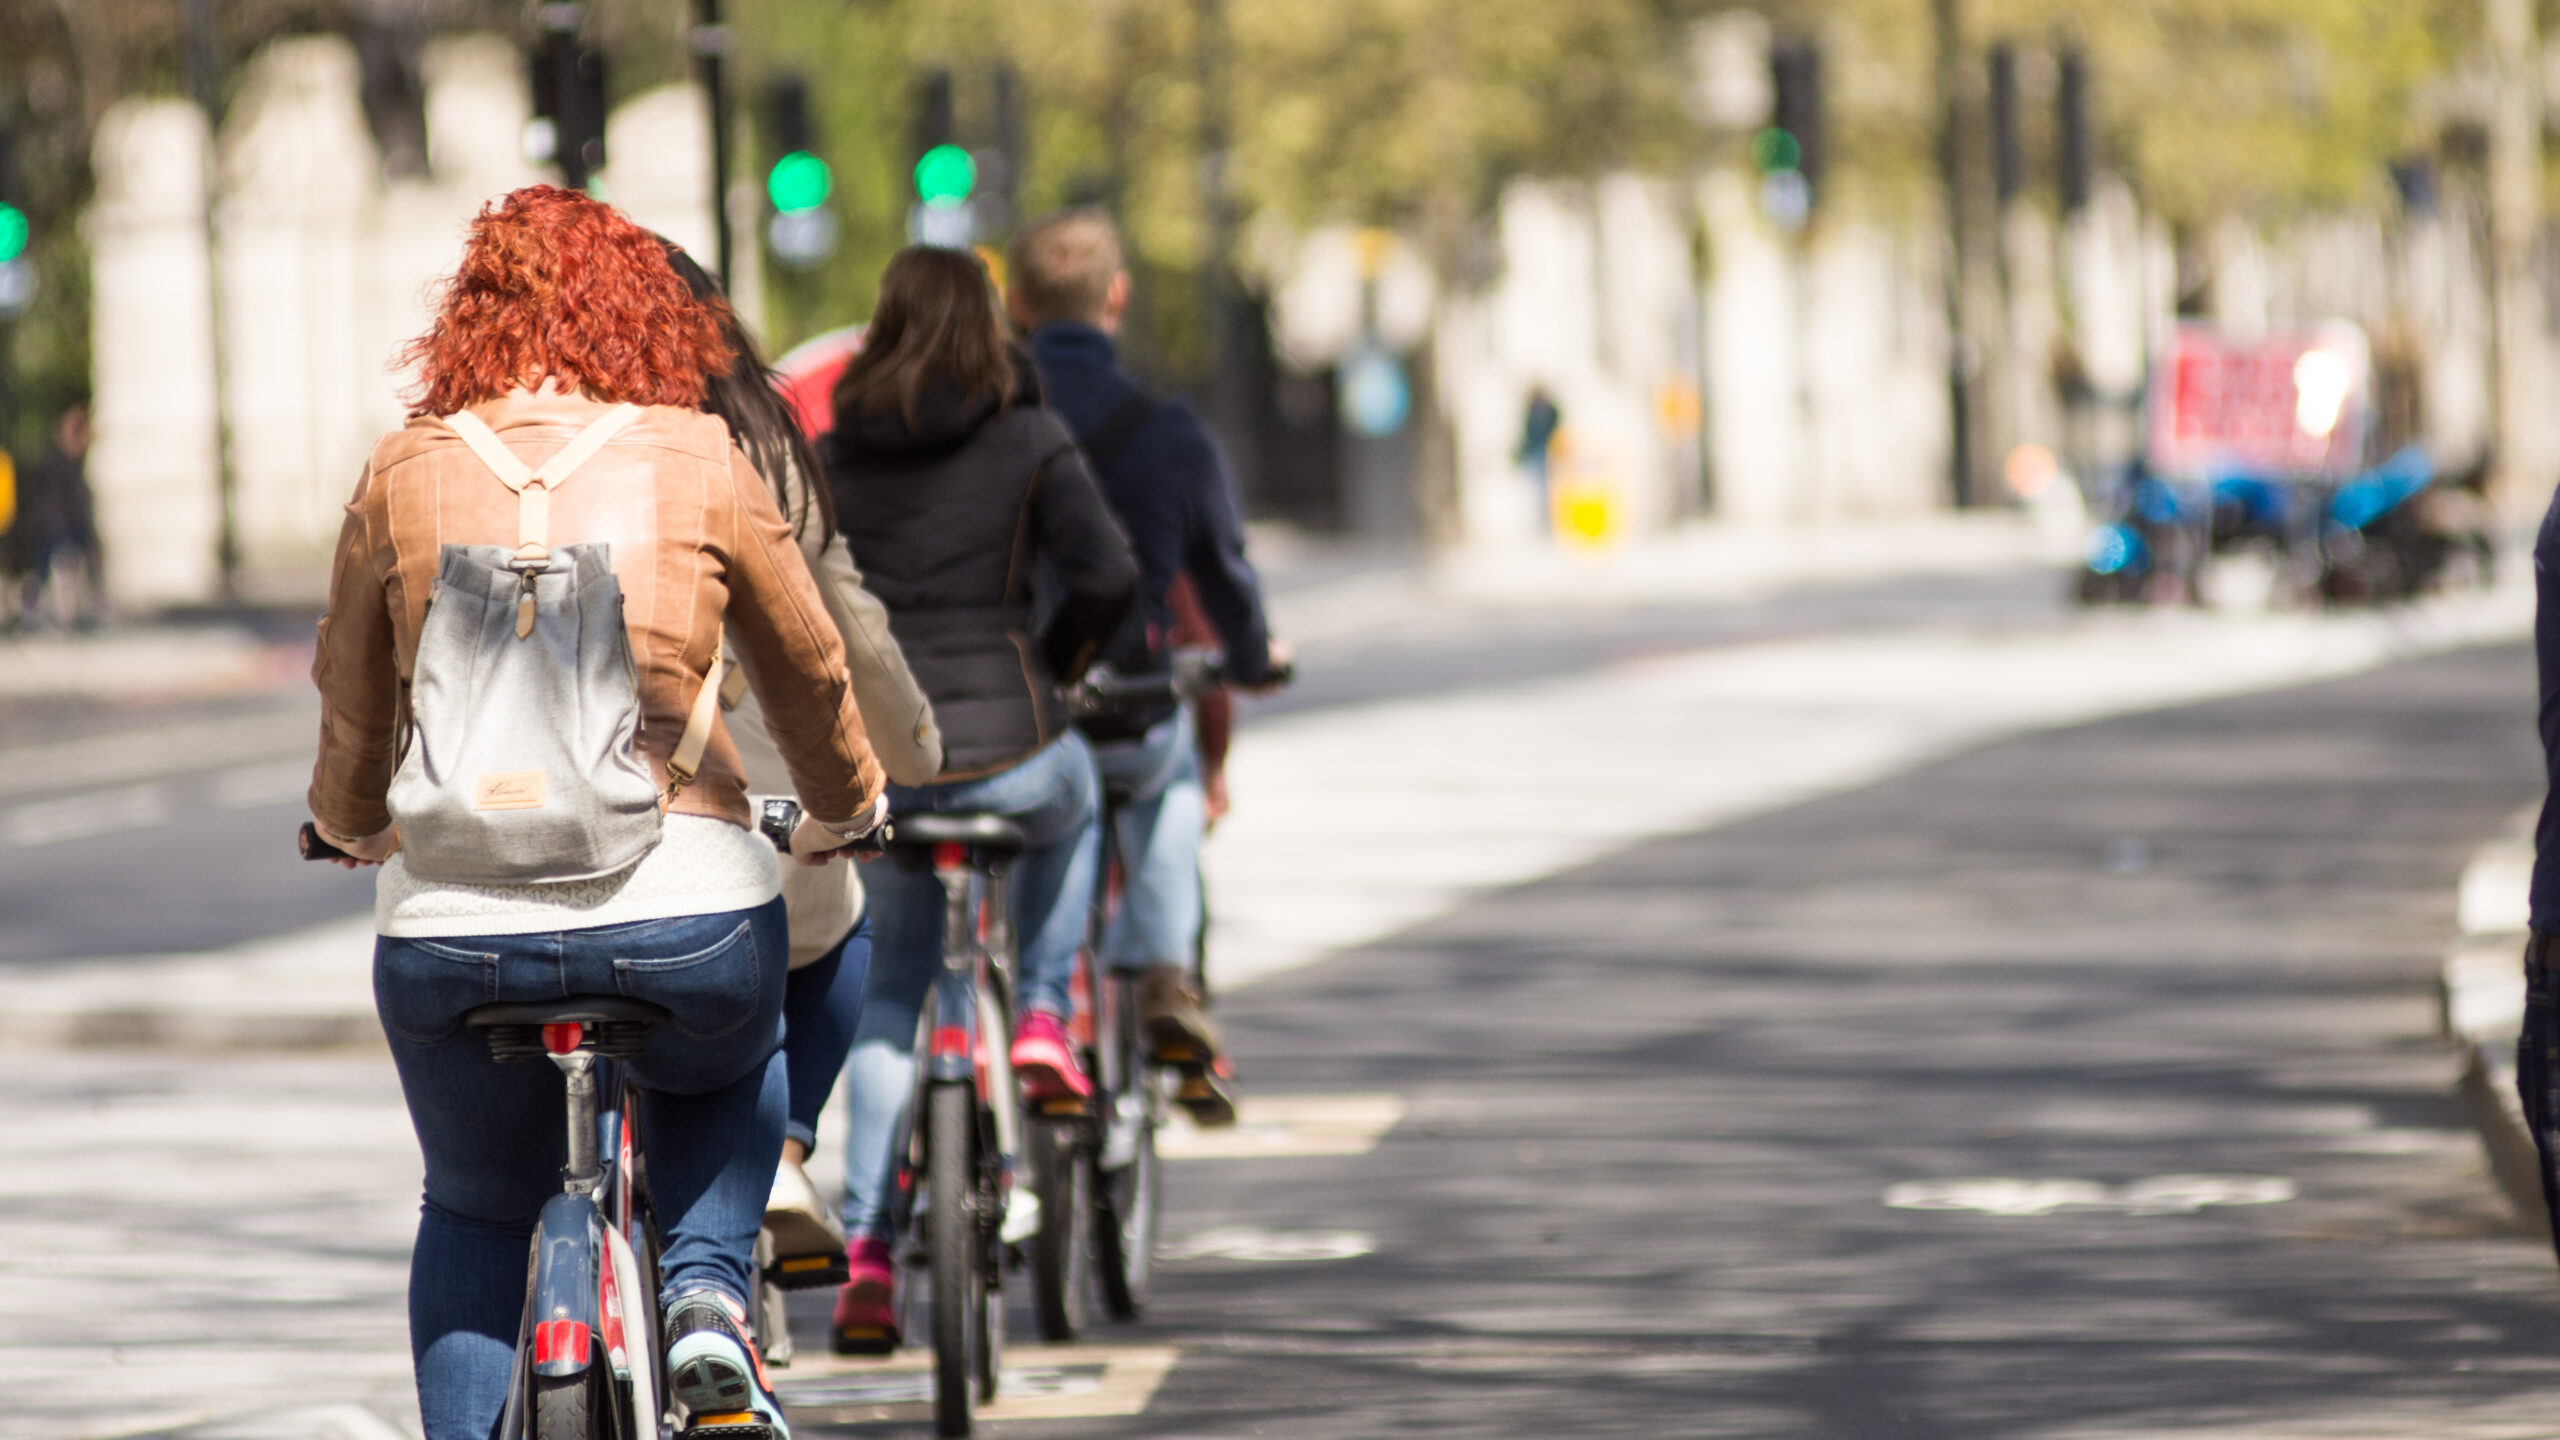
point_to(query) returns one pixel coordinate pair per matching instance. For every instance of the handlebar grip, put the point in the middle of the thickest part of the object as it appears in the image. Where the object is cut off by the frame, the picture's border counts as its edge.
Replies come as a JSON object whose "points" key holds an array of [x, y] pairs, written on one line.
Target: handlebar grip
{"points": [[315, 848]]}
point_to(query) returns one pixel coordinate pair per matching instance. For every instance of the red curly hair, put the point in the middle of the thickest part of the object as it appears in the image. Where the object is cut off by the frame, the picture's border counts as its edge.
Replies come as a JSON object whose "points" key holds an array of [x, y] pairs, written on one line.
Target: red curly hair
{"points": [[553, 283]]}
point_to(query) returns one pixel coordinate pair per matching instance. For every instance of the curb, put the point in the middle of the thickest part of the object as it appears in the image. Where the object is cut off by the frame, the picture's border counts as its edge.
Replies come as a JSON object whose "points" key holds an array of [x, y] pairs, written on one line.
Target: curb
{"points": [[2480, 1001], [309, 990]]}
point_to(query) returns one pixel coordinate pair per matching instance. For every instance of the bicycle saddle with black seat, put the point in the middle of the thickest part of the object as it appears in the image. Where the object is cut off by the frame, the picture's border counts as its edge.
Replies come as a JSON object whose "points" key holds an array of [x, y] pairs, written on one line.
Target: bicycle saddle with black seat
{"points": [[993, 834], [616, 1024]]}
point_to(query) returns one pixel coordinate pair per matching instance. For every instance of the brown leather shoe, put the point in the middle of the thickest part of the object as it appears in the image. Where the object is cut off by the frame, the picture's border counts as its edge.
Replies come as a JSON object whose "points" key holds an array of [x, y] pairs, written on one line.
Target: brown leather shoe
{"points": [[1178, 1030]]}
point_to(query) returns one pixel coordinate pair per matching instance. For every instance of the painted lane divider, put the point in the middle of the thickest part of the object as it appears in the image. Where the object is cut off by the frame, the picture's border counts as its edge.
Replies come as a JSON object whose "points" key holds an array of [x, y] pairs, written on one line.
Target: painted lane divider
{"points": [[2158, 1195], [1284, 1126], [1259, 1246], [1042, 1383]]}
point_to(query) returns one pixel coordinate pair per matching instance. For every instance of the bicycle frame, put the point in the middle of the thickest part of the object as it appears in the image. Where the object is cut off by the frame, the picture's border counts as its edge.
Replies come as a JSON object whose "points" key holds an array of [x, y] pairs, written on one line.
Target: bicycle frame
{"points": [[588, 1297], [975, 990]]}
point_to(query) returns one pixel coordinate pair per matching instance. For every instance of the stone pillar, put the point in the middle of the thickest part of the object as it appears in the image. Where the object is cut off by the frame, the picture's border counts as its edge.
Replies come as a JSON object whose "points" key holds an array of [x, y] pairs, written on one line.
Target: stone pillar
{"points": [[658, 170], [155, 469], [301, 183], [2515, 213]]}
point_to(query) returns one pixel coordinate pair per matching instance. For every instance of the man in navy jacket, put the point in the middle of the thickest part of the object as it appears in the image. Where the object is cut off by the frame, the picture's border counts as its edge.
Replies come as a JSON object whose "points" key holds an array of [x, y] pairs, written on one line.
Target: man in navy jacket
{"points": [[1163, 473]]}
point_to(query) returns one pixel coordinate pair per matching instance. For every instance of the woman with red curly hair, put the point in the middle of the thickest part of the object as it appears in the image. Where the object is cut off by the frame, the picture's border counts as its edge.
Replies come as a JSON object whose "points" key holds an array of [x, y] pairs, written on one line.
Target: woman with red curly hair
{"points": [[563, 314]]}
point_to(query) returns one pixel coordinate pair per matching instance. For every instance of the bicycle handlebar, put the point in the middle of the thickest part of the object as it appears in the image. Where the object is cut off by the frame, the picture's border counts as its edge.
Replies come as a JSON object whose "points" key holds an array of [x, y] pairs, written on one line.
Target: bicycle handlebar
{"points": [[315, 848], [1104, 691]]}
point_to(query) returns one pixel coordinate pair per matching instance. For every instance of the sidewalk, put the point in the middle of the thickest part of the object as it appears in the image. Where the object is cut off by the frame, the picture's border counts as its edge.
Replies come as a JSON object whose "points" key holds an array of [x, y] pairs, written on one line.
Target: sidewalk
{"points": [[1327, 591], [150, 659], [2483, 1006]]}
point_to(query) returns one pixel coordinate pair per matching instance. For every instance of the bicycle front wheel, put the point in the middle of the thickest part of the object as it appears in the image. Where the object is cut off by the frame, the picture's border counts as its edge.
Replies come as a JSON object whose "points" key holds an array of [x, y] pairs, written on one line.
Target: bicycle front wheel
{"points": [[567, 1407], [952, 1247], [1127, 1185]]}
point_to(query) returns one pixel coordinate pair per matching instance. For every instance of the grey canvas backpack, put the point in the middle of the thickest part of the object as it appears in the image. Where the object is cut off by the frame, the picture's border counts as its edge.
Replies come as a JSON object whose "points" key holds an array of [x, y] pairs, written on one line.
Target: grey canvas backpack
{"points": [[524, 707]]}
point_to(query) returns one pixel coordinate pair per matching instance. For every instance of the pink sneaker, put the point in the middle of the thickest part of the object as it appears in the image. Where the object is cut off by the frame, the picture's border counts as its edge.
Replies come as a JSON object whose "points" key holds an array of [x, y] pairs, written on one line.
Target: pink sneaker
{"points": [[1045, 1061], [867, 1307]]}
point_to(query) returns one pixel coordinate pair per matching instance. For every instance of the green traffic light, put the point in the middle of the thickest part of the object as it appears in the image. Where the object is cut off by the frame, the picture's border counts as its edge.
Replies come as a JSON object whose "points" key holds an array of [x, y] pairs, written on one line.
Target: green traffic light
{"points": [[1776, 151], [13, 233], [799, 181], [945, 175]]}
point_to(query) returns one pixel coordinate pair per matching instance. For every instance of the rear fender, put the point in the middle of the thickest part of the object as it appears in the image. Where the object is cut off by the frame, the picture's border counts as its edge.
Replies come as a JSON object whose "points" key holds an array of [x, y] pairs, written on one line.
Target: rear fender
{"points": [[568, 1247]]}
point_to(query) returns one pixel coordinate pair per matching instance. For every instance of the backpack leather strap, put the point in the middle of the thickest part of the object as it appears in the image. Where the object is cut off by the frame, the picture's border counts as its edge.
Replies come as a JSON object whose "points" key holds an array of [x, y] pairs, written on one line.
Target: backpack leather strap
{"points": [[687, 759], [533, 486]]}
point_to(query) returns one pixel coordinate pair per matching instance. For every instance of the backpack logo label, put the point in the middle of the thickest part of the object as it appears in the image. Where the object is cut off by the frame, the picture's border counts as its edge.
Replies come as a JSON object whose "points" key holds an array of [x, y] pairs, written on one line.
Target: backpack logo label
{"points": [[507, 790]]}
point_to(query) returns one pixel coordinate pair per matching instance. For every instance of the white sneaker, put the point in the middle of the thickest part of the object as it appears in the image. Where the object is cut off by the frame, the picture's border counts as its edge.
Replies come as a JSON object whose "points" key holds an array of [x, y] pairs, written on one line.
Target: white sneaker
{"points": [[801, 1220]]}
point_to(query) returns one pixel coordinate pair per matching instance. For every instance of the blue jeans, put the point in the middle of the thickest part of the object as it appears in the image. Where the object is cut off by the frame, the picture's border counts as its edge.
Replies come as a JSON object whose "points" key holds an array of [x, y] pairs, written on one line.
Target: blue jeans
{"points": [[819, 1008], [494, 1143], [1162, 814], [1054, 797]]}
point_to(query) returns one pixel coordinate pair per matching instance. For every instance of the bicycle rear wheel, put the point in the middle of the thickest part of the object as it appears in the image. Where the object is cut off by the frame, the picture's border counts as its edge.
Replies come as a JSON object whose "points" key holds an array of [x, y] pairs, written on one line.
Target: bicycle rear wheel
{"points": [[1062, 1253], [952, 1247]]}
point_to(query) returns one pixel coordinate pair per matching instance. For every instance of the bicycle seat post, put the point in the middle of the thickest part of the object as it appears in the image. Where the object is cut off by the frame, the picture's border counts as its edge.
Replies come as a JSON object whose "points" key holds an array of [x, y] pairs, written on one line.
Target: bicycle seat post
{"points": [[568, 1050]]}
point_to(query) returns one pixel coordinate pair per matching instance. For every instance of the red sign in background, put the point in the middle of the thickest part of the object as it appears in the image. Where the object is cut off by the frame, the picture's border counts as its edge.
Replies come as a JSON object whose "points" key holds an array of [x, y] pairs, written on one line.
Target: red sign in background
{"points": [[2281, 405]]}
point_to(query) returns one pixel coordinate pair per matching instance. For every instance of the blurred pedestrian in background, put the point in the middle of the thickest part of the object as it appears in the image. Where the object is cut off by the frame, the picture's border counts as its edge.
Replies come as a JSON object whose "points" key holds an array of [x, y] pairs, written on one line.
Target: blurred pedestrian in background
{"points": [[57, 530], [1538, 426]]}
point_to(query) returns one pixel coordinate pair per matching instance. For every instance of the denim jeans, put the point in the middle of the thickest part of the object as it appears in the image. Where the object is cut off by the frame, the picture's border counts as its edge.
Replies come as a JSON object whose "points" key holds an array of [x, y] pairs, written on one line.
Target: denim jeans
{"points": [[1162, 813], [820, 1006], [1053, 796], [494, 1142]]}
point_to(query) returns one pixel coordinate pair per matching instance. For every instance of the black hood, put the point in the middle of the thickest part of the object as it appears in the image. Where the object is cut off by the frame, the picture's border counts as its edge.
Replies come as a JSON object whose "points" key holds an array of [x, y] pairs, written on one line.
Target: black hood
{"points": [[945, 418]]}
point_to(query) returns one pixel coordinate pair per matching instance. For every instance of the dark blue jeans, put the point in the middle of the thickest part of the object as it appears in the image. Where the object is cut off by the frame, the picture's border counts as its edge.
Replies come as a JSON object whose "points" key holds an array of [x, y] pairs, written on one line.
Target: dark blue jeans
{"points": [[820, 1008], [492, 1135]]}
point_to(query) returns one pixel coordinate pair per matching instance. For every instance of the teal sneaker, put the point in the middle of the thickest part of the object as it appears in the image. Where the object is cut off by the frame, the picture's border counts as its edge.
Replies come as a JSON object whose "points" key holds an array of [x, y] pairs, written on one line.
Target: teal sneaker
{"points": [[713, 1370]]}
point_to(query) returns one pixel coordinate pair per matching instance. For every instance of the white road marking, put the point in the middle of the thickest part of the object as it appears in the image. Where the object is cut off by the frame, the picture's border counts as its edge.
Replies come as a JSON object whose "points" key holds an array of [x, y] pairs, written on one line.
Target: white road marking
{"points": [[1281, 1126], [1040, 1383], [149, 754], [1354, 822], [1252, 1243], [79, 816], [2158, 1195], [252, 787]]}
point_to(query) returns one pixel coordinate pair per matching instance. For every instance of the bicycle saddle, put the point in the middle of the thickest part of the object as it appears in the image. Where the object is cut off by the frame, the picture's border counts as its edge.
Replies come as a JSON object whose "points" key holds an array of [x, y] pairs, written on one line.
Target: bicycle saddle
{"points": [[979, 832], [616, 1024]]}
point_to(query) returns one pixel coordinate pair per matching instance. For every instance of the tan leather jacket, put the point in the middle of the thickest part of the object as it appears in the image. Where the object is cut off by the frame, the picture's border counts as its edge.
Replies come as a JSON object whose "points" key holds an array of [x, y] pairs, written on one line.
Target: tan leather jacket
{"points": [[696, 536]]}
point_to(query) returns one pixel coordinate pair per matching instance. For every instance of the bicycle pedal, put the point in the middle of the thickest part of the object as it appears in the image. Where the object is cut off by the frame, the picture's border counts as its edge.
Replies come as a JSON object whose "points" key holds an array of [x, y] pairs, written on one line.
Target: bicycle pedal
{"points": [[1067, 1105], [1207, 1099], [1176, 1054], [736, 1425], [808, 1272]]}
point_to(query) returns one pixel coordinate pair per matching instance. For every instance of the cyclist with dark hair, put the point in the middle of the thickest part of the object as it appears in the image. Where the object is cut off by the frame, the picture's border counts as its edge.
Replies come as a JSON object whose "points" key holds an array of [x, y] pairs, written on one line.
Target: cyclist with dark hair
{"points": [[1168, 482], [956, 489], [830, 922]]}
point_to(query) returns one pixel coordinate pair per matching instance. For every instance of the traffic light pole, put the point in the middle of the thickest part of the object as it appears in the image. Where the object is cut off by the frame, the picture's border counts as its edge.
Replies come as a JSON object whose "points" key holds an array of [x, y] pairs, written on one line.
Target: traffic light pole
{"points": [[710, 48], [1962, 358]]}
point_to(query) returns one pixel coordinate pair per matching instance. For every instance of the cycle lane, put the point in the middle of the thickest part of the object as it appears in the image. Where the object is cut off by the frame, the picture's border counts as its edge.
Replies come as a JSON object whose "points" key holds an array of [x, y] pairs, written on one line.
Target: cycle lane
{"points": [[1479, 800], [2144, 1008]]}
